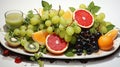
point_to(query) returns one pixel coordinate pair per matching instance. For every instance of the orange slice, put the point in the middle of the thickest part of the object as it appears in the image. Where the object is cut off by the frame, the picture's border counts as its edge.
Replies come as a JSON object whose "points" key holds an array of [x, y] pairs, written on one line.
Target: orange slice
{"points": [[40, 37], [67, 15]]}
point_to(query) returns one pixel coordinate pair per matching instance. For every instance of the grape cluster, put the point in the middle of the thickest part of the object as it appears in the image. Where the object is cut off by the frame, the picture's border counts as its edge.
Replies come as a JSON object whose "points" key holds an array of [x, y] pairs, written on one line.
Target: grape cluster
{"points": [[86, 42], [54, 22]]}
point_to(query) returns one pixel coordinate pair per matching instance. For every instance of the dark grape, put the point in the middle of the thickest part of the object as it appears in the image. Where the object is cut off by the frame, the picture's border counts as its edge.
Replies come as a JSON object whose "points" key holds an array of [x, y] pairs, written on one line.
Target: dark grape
{"points": [[87, 42]]}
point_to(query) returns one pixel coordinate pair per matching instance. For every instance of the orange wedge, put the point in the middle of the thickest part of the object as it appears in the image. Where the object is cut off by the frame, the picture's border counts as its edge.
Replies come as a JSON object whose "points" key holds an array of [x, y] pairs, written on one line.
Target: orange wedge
{"points": [[67, 15], [40, 37]]}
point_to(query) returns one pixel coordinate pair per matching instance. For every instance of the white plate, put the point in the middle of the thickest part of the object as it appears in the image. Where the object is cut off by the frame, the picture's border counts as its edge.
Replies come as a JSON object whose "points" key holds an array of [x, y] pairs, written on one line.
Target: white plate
{"points": [[100, 53], [111, 16]]}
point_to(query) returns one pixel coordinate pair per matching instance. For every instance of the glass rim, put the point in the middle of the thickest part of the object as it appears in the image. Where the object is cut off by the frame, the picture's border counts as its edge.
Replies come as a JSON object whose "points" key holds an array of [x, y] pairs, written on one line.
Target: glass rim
{"points": [[13, 11]]}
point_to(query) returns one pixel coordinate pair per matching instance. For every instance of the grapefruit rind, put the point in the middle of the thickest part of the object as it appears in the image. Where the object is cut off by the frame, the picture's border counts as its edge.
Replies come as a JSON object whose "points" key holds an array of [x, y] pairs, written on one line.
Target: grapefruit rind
{"points": [[89, 14], [54, 51]]}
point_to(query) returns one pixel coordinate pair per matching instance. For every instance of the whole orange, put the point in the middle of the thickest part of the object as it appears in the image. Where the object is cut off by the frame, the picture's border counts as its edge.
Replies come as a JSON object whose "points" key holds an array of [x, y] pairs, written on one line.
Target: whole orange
{"points": [[105, 43]]}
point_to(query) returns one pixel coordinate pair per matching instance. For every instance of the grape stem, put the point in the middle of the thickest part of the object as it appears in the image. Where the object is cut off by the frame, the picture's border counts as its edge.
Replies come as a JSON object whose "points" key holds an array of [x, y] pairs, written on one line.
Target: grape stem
{"points": [[70, 24], [37, 12]]}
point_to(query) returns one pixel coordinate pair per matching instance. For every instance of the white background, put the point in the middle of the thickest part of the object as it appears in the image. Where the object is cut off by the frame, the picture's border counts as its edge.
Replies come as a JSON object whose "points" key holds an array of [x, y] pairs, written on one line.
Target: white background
{"points": [[109, 7]]}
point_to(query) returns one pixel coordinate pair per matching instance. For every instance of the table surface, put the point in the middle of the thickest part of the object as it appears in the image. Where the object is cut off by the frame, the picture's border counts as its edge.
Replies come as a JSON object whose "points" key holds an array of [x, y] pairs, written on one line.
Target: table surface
{"points": [[109, 7]]}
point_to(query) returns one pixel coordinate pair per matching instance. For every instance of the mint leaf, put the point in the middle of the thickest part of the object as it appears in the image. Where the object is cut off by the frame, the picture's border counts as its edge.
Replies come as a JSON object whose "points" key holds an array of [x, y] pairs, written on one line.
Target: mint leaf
{"points": [[46, 5], [72, 9], [93, 8], [69, 54], [90, 6], [47, 8], [110, 27]]}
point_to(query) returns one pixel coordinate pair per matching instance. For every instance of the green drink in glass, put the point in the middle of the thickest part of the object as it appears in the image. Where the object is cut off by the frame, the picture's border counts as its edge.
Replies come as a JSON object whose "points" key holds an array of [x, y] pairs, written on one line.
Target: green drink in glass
{"points": [[14, 18]]}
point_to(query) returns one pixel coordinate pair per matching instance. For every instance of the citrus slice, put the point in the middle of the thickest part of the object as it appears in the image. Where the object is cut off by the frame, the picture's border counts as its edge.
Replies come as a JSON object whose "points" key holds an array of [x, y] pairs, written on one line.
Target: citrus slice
{"points": [[67, 15], [40, 37], [84, 18], [55, 44]]}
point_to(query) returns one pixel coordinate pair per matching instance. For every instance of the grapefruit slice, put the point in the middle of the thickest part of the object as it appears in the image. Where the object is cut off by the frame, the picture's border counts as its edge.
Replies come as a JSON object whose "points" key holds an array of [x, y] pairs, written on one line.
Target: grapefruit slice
{"points": [[84, 18], [40, 37], [55, 44]]}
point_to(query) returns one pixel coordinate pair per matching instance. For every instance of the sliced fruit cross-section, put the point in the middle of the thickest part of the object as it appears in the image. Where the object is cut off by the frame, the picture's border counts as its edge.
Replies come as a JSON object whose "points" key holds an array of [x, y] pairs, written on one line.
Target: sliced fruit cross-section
{"points": [[55, 44], [83, 18], [40, 37], [12, 41]]}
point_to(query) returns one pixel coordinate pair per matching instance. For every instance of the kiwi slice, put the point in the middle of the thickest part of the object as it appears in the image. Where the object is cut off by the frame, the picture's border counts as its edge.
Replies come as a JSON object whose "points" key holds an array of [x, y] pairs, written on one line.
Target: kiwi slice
{"points": [[12, 41], [31, 47]]}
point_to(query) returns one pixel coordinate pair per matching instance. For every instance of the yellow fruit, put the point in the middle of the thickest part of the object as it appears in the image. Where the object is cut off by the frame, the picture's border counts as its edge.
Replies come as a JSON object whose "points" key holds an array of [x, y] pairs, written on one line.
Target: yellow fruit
{"points": [[40, 37], [112, 33], [105, 43], [67, 15]]}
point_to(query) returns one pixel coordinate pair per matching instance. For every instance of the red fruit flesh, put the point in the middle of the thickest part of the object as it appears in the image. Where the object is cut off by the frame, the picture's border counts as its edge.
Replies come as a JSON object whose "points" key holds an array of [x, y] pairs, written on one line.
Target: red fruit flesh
{"points": [[56, 43], [84, 18]]}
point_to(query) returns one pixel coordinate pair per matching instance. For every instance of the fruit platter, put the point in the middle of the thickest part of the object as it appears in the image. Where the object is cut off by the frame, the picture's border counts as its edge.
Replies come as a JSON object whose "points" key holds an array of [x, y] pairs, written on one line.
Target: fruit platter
{"points": [[77, 33]]}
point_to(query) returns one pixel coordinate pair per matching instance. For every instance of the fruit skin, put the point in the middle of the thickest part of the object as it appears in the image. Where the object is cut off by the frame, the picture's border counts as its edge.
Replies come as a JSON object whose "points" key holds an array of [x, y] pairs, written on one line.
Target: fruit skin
{"points": [[6, 52], [10, 43], [18, 60], [57, 52], [83, 18], [105, 42], [112, 33]]}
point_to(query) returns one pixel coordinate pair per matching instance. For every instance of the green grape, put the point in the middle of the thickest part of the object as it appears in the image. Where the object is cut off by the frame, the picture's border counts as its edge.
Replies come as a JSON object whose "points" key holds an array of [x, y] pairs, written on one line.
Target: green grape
{"points": [[44, 17], [61, 12], [62, 21], [100, 17], [93, 30], [48, 23], [69, 21], [23, 27], [34, 21], [102, 23], [73, 40], [22, 32], [16, 31], [52, 13], [36, 16], [55, 19], [103, 29], [82, 6], [108, 23], [29, 32], [57, 30], [96, 24], [41, 26], [24, 41], [61, 27], [77, 29], [67, 38], [30, 27], [74, 23], [70, 30], [49, 29], [62, 34]]}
